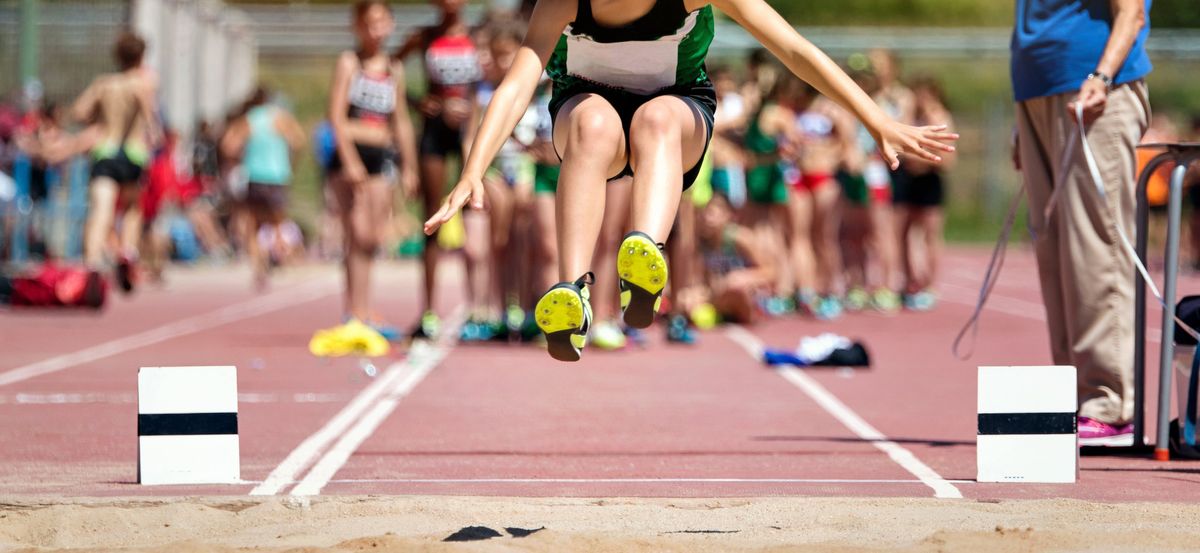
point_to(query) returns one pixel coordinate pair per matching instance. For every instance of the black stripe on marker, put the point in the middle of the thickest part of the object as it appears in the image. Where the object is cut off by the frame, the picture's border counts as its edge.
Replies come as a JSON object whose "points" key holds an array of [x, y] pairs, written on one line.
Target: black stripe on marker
{"points": [[187, 424], [1027, 423]]}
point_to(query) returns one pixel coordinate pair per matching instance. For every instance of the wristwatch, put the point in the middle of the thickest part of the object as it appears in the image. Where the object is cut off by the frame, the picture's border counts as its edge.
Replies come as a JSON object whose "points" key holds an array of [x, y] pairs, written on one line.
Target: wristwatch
{"points": [[1103, 78]]}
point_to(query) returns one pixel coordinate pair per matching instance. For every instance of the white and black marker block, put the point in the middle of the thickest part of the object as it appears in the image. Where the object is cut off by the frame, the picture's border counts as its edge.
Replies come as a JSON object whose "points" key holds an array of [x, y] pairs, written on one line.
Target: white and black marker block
{"points": [[187, 425], [1028, 430]]}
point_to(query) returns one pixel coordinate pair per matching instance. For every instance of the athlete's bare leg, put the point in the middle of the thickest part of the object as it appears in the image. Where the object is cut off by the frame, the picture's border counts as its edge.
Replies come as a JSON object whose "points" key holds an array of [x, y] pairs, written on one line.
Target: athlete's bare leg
{"points": [[667, 135], [591, 140]]}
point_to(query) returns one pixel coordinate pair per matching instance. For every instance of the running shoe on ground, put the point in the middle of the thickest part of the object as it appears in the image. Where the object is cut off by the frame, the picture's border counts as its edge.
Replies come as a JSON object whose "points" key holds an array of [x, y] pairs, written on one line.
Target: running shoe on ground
{"points": [[389, 332], [125, 273], [920, 301], [608, 336], [643, 273], [350, 338], [635, 337], [777, 306], [884, 300], [1095, 433], [514, 320], [475, 330], [857, 299], [806, 302], [95, 290], [529, 328], [564, 315], [427, 327], [679, 331], [828, 309]]}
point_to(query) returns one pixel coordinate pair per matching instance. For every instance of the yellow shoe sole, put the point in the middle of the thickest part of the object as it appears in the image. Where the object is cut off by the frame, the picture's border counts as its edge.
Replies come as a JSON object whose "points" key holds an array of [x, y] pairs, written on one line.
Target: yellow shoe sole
{"points": [[560, 316], [643, 272]]}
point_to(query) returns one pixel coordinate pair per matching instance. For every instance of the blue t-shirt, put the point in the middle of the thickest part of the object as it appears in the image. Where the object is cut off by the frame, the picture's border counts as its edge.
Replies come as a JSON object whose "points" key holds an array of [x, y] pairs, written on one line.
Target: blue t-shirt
{"points": [[1056, 43]]}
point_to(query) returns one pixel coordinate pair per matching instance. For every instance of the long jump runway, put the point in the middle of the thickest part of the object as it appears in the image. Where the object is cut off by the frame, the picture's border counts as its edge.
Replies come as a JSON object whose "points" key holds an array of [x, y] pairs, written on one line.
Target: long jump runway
{"points": [[665, 421]]}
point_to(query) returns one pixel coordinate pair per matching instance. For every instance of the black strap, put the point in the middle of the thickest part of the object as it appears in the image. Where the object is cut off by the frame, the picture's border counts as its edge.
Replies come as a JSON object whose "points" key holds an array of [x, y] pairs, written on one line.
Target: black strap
{"points": [[583, 15], [664, 18]]}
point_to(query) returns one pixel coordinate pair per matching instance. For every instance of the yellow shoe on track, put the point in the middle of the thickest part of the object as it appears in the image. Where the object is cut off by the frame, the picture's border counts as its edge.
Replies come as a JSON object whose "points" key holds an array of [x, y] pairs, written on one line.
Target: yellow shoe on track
{"points": [[351, 338], [642, 269], [564, 315]]}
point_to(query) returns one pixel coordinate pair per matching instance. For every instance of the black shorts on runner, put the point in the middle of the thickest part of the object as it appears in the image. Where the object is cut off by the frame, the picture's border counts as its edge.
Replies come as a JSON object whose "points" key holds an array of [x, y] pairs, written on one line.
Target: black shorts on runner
{"points": [[439, 139], [701, 95], [925, 190], [271, 197], [374, 158], [118, 168]]}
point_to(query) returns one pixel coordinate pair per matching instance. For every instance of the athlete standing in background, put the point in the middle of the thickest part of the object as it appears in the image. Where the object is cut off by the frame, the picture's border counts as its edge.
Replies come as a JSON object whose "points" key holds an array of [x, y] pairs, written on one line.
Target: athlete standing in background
{"points": [[452, 71]]}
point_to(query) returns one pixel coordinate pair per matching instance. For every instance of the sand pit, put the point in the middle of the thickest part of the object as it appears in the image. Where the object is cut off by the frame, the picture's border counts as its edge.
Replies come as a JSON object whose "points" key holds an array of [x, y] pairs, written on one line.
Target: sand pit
{"points": [[422, 523]]}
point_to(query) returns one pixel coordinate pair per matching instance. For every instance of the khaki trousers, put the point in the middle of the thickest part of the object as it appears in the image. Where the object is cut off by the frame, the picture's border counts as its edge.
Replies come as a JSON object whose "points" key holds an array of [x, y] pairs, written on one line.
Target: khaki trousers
{"points": [[1086, 277]]}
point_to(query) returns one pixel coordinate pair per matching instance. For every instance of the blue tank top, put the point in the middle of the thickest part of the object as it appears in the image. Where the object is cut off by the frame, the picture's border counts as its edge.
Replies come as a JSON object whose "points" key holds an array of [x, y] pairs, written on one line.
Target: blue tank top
{"points": [[266, 158]]}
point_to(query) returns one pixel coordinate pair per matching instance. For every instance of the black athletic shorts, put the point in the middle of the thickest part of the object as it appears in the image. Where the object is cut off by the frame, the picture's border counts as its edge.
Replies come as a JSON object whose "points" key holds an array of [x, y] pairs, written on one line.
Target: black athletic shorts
{"points": [[925, 190], [702, 95], [374, 158], [118, 168], [439, 139], [270, 197]]}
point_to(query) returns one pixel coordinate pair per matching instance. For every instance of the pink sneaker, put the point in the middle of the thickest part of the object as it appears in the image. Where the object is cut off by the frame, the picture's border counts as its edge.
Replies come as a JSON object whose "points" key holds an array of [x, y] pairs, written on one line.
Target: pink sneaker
{"points": [[1095, 433]]}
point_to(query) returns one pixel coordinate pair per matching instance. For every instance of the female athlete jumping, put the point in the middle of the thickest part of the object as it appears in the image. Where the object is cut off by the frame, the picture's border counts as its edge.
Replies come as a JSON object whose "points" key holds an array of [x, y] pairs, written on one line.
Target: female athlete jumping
{"points": [[633, 97]]}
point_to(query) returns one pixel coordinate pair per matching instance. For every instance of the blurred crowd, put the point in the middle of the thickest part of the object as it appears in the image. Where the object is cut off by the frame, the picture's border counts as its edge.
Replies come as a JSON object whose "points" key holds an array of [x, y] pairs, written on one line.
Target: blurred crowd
{"points": [[191, 200], [794, 214]]}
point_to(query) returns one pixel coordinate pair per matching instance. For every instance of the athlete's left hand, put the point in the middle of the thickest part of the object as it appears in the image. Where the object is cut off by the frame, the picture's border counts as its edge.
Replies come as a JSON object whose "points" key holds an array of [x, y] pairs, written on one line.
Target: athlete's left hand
{"points": [[468, 188], [895, 139], [409, 181]]}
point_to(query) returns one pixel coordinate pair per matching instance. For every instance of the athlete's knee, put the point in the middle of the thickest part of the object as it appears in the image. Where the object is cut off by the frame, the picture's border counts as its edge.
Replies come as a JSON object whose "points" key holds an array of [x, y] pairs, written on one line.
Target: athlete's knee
{"points": [[595, 126], [365, 240], [658, 117]]}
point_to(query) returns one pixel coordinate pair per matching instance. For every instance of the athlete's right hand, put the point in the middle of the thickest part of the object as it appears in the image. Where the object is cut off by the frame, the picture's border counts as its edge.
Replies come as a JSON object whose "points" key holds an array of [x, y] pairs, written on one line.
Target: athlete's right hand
{"points": [[355, 173], [468, 188]]}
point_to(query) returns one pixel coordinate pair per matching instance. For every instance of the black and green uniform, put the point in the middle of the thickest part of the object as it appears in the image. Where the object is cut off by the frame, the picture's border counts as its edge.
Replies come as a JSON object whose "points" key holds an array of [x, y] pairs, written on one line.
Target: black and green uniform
{"points": [[545, 176], [661, 53], [765, 183]]}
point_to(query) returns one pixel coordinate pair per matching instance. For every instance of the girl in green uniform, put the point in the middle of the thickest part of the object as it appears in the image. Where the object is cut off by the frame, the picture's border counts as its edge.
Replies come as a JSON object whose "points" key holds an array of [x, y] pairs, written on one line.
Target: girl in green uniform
{"points": [[632, 97]]}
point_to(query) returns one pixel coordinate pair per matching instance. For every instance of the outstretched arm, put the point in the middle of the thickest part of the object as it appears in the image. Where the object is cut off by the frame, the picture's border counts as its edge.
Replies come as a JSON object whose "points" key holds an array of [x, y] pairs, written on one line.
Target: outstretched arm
{"points": [[508, 105], [811, 64], [1128, 19]]}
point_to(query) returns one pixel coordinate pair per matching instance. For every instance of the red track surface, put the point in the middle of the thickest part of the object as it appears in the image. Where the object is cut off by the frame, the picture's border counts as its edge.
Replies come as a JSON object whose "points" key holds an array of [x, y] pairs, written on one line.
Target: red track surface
{"points": [[700, 421]]}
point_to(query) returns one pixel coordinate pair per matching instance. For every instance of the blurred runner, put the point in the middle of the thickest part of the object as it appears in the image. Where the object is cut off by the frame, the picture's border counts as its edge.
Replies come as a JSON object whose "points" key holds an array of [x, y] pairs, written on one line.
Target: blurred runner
{"points": [[265, 140], [782, 223], [492, 268], [370, 123], [919, 197], [729, 129], [824, 136], [452, 71], [122, 108], [202, 194]]}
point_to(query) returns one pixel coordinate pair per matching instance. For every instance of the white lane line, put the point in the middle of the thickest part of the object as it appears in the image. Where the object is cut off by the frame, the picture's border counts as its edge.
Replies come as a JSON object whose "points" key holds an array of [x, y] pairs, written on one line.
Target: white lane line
{"points": [[630, 481], [942, 488], [190, 325], [414, 369], [85, 398], [964, 295], [308, 450], [311, 448]]}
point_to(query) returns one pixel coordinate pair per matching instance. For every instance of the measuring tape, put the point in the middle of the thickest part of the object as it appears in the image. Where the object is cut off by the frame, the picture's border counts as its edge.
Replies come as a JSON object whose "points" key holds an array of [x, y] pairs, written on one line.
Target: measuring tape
{"points": [[997, 262]]}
